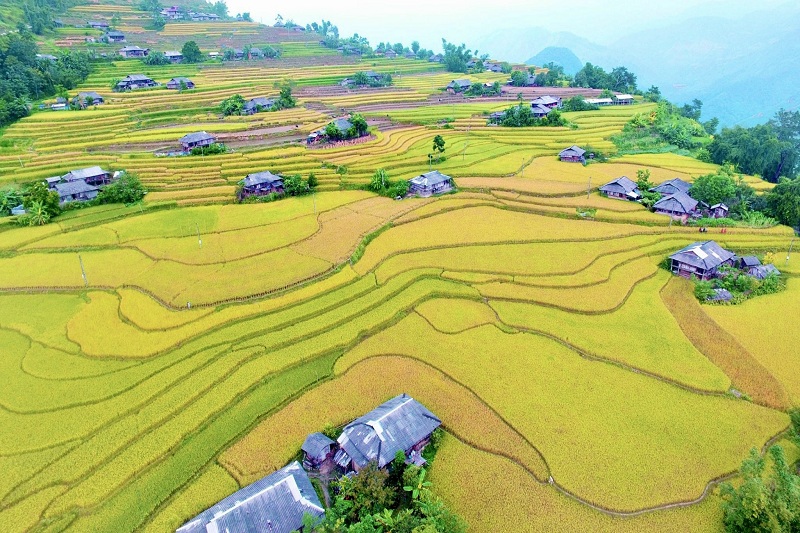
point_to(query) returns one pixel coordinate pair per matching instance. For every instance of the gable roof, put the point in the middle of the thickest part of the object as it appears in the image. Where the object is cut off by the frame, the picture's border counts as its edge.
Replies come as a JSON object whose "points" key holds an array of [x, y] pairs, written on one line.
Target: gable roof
{"points": [[623, 185], [262, 101], [680, 202], [317, 445], [343, 124], [706, 255], [539, 109], [672, 186], [173, 53], [73, 187], [275, 503], [196, 137], [83, 173], [114, 33], [459, 83], [135, 77], [572, 150], [545, 100], [132, 48], [88, 94], [429, 179], [178, 80], [396, 425], [261, 177], [721, 295], [762, 271], [598, 101], [750, 261]]}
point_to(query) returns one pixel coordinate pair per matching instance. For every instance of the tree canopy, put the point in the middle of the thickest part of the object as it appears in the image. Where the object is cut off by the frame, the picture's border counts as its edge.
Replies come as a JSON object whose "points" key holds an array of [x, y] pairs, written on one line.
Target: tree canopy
{"points": [[757, 150], [191, 52], [456, 57]]}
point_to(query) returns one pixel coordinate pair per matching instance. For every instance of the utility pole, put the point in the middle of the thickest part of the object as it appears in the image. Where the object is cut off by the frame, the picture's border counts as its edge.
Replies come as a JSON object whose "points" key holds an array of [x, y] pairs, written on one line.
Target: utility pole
{"points": [[199, 240], [589, 188], [522, 168], [314, 197], [83, 272], [789, 253]]}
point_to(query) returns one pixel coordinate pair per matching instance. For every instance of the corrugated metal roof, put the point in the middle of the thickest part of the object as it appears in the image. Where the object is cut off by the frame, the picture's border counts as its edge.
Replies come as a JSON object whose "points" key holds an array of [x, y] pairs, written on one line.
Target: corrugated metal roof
{"points": [[261, 177], [196, 137], [680, 202], [74, 187], [706, 255], [672, 186], [545, 100], [84, 173], [429, 179], [572, 150], [274, 504], [623, 185], [396, 425], [317, 445]]}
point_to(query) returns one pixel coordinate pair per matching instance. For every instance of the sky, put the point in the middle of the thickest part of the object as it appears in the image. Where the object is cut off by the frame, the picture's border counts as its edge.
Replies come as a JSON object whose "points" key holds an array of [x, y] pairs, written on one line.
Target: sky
{"points": [[469, 20]]}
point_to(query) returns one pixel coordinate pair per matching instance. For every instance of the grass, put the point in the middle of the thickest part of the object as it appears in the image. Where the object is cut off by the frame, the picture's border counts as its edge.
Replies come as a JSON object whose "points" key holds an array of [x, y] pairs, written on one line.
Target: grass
{"points": [[454, 316]]}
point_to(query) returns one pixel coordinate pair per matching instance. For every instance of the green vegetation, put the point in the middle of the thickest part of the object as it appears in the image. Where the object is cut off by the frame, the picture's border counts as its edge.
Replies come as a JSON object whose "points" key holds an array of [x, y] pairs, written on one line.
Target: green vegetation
{"points": [[381, 184], [663, 129], [191, 52], [521, 116]]}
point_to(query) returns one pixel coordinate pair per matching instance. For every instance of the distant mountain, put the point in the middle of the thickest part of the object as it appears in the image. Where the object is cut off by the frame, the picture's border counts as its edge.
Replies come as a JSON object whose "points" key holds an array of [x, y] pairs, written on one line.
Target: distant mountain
{"points": [[743, 69], [558, 55]]}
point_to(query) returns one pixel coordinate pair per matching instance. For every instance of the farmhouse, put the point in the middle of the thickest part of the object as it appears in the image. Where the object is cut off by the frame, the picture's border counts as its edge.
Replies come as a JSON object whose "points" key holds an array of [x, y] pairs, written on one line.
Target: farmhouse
{"points": [[91, 175], [747, 262], [679, 204], [133, 51], [497, 117], [317, 449], [573, 154], [700, 259], [436, 58], [400, 424], [98, 24], [495, 67], [114, 36], [622, 188], [177, 83], [390, 54], [134, 81], [85, 99], [547, 101], [174, 56], [718, 211], [430, 183], [624, 99], [274, 504], [458, 86], [672, 186], [599, 101], [75, 191], [540, 111], [255, 105], [762, 271], [197, 140], [172, 12], [261, 184], [342, 124]]}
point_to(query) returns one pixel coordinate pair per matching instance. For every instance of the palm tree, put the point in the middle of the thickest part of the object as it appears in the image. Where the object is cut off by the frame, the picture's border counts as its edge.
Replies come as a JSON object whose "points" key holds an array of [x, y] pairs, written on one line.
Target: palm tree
{"points": [[419, 485], [38, 215]]}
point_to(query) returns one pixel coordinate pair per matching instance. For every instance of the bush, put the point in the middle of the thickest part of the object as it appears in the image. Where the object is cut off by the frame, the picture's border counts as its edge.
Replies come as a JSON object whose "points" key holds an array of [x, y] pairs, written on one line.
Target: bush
{"points": [[211, 149], [126, 189]]}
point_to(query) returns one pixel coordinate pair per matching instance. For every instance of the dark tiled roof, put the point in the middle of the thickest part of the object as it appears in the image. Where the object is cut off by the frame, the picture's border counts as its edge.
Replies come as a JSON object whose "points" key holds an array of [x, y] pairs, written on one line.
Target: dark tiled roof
{"points": [[89, 94], [539, 109], [131, 49], [672, 186], [705, 255], [274, 504], [135, 77], [343, 124], [196, 137], [262, 101], [572, 151], [74, 187], [396, 425], [177, 81], [460, 83], [84, 173], [429, 179], [680, 202], [317, 445], [545, 100], [115, 34], [750, 261], [721, 295], [261, 177], [762, 271], [622, 185]]}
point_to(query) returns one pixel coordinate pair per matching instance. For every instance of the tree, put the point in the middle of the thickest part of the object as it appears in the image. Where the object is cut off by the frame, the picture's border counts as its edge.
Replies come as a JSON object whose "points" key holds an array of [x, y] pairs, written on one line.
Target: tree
{"points": [[285, 99], [38, 193], [232, 105], [9, 199], [156, 58], [191, 52], [150, 6], [783, 202], [786, 125], [333, 133], [438, 146], [415, 47], [367, 491], [711, 125], [312, 181], [126, 189], [593, 77], [456, 57], [653, 94], [220, 8], [519, 78], [379, 180], [359, 124], [578, 103], [692, 110], [418, 485], [158, 22], [714, 188], [37, 215], [756, 150], [622, 80], [246, 17], [763, 505], [295, 185]]}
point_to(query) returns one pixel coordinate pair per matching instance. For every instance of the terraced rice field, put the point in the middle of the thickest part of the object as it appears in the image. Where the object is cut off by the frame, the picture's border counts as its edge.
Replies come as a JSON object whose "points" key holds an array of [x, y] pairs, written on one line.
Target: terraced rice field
{"points": [[574, 377]]}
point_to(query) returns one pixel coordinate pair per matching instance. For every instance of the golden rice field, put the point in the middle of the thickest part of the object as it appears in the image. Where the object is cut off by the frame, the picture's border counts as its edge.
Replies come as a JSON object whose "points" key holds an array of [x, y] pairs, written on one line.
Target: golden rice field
{"points": [[581, 386]]}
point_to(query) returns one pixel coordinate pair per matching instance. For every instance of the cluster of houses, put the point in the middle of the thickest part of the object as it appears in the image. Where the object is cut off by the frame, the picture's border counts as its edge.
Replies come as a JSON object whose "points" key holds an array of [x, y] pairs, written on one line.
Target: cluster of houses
{"points": [[676, 200], [371, 75], [540, 107], [278, 502], [140, 81], [342, 124], [136, 52], [704, 261], [176, 13], [80, 185]]}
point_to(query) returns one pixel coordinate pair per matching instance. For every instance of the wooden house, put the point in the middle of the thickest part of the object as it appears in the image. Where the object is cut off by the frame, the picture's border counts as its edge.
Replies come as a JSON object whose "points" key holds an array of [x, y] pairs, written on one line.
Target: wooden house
{"points": [[197, 140], [171, 13], [430, 183], [436, 58], [599, 101], [573, 154], [98, 24], [672, 186], [497, 117], [177, 83], [317, 449], [540, 111], [458, 86], [85, 99], [495, 67], [401, 424], [114, 36], [75, 191], [679, 204], [718, 211], [763, 271], [174, 56], [747, 262], [547, 101], [390, 54], [622, 188], [91, 175], [276, 503], [134, 81], [261, 184], [256, 105], [623, 99], [133, 51], [701, 259]]}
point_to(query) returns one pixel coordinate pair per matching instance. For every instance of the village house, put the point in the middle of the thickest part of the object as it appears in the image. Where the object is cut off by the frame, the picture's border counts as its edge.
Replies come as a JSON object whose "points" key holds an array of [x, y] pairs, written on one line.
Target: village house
{"points": [[317, 450], [197, 140], [47, 57], [60, 104], [623, 99], [410, 55], [547, 101], [747, 262], [98, 24], [472, 64], [573, 154], [75, 191], [174, 56], [497, 117], [256, 105], [762, 271], [238, 54], [133, 51], [700, 259], [430, 183], [390, 54], [114, 37], [171, 13], [599, 101], [718, 211], [436, 58], [495, 67], [622, 188], [92, 176], [276, 503], [178, 83], [458, 86], [679, 205], [540, 111], [672, 186], [261, 184], [401, 424], [134, 81], [85, 99]]}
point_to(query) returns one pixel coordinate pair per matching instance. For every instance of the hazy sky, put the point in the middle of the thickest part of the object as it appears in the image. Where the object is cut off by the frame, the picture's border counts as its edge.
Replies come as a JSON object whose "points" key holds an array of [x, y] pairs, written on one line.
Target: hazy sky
{"points": [[462, 21]]}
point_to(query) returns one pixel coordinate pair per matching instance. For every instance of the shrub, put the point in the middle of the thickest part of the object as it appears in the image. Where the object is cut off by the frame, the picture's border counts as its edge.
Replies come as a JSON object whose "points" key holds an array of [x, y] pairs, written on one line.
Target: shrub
{"points": [[126, 189], [211, 149]]}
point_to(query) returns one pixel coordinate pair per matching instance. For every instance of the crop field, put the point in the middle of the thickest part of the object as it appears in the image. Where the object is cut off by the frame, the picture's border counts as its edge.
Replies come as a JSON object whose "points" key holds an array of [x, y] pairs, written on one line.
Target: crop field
{"points": [[159, 356]]}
